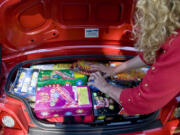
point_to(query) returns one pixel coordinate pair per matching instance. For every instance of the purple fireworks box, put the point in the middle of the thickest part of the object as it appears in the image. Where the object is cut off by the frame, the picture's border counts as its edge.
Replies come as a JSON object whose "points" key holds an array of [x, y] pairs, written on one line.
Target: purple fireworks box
{"points": [[63, 101]]}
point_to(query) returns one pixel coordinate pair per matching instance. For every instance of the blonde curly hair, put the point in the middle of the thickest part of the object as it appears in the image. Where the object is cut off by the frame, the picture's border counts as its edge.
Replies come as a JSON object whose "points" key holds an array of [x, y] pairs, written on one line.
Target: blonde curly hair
{"points": [[155, 20]]}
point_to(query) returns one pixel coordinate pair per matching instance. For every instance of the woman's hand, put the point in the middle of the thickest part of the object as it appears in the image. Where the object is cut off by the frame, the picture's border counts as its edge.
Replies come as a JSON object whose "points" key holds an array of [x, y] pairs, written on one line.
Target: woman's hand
{"points": [[133, 63], [108, 71], [98, 81]]}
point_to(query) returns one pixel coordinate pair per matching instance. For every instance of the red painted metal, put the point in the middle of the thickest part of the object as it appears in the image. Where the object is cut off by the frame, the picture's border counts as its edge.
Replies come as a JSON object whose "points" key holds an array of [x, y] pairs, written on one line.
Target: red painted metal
{"points": [[33, 24], [8, 131], [14, 108], [32, 29]]}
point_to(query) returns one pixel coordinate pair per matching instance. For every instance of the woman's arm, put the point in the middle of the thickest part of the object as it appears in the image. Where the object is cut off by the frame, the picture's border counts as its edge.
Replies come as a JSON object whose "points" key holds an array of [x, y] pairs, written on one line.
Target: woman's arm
{"points": [[135, 62], [101, 84]]}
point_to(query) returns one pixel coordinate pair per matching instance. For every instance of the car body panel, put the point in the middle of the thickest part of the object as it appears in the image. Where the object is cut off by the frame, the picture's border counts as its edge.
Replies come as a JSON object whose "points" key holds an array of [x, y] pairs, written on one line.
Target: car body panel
{"points": [[43, 24]]}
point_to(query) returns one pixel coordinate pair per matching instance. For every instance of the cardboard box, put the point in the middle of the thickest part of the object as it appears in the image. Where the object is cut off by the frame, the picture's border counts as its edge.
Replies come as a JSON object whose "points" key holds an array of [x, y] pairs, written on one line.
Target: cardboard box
{"points": [[84, 67], [103, 105], [25, 83], [58, 66], [63, 101], [62, 77]]}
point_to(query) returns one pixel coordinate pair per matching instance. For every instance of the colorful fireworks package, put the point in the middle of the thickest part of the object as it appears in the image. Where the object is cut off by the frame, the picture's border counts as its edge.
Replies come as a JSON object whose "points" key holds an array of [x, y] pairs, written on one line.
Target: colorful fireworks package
{"points": [[84, 67], [64, 77], [104, 106], [25, 83], [58, 66], [132, 75], [63, 101]]}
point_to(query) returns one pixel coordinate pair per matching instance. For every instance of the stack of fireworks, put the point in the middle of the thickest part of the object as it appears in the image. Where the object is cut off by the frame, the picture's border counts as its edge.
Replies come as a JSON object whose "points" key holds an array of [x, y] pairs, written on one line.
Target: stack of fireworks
{"points": [[84, 67], [25, 83], [64, 77], [55, 101], [62, 93]]}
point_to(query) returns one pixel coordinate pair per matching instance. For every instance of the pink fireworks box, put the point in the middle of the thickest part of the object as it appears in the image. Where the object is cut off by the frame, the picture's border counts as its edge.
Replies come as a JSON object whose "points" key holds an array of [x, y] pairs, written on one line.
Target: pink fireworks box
{"points": [[63, 101]]}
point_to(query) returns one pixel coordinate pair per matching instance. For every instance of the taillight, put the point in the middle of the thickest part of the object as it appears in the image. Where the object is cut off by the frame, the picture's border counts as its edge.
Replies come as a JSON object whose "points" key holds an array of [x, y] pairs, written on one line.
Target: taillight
{"points": [[6, 120]]}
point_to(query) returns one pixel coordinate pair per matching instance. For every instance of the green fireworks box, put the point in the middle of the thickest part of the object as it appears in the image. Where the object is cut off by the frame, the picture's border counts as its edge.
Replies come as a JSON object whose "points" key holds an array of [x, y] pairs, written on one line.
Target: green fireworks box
{"points": [[64, 77]]}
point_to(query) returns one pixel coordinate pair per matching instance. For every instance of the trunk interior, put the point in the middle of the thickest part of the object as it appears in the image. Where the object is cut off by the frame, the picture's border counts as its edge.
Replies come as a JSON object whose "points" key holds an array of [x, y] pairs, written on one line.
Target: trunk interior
{"points": [[119, 123]]}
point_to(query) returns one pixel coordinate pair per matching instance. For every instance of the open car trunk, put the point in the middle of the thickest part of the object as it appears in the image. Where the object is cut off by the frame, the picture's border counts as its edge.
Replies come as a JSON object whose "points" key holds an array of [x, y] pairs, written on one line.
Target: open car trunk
{"points": [[64, 31], [119, 124]]}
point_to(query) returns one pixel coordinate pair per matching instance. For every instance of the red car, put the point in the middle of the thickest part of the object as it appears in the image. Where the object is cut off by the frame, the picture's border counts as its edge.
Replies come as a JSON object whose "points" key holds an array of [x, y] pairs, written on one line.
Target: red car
{"points": [[47, 31]]}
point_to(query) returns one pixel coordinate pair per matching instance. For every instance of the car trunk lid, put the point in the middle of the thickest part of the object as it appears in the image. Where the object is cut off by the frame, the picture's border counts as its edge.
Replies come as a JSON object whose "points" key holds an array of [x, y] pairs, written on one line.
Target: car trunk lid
{"points": [[28, 26]]}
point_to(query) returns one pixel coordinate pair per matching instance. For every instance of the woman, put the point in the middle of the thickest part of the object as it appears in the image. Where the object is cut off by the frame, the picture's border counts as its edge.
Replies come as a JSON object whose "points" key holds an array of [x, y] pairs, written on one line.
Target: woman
{"points": [[156, 29]]}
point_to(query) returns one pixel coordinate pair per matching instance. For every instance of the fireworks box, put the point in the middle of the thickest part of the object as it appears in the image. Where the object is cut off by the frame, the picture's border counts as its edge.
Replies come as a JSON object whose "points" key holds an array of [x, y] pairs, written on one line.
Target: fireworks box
{"points": [[63, 77], [58, 66], [25, 83], [84, 67], [104, 106], [63, 101], [132, 75]]}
